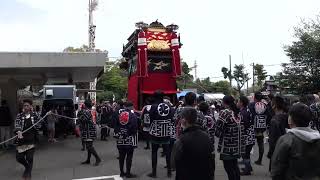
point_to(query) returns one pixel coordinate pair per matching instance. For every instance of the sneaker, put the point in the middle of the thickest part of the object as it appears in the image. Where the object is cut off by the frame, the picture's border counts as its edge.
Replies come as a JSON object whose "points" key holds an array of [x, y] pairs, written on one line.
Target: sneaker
{"points": [[98, 161], [122, 174], [86, 162]]}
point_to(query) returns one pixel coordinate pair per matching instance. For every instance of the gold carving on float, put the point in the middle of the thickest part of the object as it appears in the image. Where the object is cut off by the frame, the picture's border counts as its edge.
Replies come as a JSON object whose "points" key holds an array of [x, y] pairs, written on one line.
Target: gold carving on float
{"points": [[159, 65], [157, 30], [158, 45]]}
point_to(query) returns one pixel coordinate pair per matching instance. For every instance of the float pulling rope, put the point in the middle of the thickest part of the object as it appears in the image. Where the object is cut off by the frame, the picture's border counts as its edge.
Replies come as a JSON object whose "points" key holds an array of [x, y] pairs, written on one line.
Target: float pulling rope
{"points": [[49, 113]]}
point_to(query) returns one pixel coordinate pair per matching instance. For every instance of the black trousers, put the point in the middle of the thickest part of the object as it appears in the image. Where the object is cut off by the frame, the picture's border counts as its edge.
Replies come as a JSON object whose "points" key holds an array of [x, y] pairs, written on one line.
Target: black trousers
{"points": [[246, 159], [172, 141], [232, 169], [154, 156], [247, 152], [260, 146], [91, 151], [83, 143], [125, 154], [63, 127], [147, 138], [104, 133], [26, 159]]}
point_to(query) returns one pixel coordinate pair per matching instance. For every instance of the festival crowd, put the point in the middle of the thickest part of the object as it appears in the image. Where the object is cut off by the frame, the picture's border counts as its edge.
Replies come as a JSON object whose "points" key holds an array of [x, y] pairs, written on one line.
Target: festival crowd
{"points": [[186, 133]]}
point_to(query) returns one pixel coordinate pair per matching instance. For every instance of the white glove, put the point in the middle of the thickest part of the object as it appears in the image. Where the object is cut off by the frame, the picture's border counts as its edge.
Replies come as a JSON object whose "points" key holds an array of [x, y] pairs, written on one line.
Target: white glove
{"points": [[19, 135], [48, 113]]}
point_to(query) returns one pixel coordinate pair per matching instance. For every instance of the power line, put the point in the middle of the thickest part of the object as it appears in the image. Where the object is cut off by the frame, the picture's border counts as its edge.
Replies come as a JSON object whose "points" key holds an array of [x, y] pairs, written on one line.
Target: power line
{"points": [[185, 75], [272, 64], [212, 77], [115, 57]]}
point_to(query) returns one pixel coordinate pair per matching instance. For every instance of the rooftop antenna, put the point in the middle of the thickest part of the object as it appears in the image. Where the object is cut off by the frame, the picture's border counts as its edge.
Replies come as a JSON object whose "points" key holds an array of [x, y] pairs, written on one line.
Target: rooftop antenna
{"points": [[195, 69], [93, 4]]}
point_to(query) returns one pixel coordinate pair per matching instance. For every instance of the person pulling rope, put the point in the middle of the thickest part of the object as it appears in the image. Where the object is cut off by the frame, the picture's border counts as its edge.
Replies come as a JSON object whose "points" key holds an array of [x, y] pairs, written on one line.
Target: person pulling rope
{"points": [[47, 114]]}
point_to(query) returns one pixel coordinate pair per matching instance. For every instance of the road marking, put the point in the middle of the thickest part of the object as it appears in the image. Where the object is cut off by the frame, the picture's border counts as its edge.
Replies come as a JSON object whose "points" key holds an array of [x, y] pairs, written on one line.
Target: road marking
{"points": [[115, 177]]}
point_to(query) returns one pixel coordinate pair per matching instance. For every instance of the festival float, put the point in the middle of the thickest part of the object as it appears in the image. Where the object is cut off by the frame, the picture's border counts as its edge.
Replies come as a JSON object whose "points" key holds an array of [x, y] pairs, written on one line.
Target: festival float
{"points": [[152, 60]]}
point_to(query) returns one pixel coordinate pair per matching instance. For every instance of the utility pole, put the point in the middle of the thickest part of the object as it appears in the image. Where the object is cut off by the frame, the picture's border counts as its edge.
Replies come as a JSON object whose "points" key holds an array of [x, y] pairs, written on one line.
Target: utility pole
{"points": [[91, 44], [248, 87], [195, 70], [92, 28], [252, 77], [230, 78]]}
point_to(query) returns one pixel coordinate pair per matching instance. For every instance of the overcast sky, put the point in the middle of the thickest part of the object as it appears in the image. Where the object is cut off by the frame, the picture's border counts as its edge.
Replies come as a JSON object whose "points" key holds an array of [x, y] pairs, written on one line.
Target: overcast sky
{"points": [[249, 30]]}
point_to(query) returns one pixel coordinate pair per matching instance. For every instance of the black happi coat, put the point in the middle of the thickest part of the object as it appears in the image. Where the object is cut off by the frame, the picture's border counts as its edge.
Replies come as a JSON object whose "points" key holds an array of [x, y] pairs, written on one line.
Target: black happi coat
{"points": [[22, 123], [278, 126], [261, 114], [315, 122], [161, 122], [145, 117], [126, 128], [87, 127], [105, 115], [5, 115], [211, 127], [248, 123], [230, 133]]}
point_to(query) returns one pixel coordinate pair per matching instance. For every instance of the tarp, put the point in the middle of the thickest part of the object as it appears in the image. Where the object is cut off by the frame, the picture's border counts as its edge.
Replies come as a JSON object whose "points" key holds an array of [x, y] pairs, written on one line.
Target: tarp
{"points": [[183, 93], [165, 92], [213, 96]]}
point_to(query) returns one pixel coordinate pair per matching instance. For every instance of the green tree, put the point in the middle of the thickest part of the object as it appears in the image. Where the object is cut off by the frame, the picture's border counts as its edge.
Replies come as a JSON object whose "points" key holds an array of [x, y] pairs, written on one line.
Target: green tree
{"points": [[222, 86], [204, 86], [302, 74], [83, 48], [260, 74], [240, 76], [227, 74], [105, 95], [185, 80], [113, 80]]}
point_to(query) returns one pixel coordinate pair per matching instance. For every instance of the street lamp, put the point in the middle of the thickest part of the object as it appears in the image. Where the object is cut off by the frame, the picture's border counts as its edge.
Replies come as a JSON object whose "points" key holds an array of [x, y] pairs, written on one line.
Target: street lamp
{"points": [[141, 25], [173, 27]]}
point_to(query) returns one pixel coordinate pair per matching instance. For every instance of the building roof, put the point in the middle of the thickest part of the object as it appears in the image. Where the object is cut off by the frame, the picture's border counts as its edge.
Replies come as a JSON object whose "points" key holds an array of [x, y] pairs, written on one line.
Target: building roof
{"points": [[50, 67]]}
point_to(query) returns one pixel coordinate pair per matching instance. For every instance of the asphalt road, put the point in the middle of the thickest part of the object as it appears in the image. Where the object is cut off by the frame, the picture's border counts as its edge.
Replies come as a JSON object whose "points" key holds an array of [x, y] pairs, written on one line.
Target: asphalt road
{"points": [[61, 161]]}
